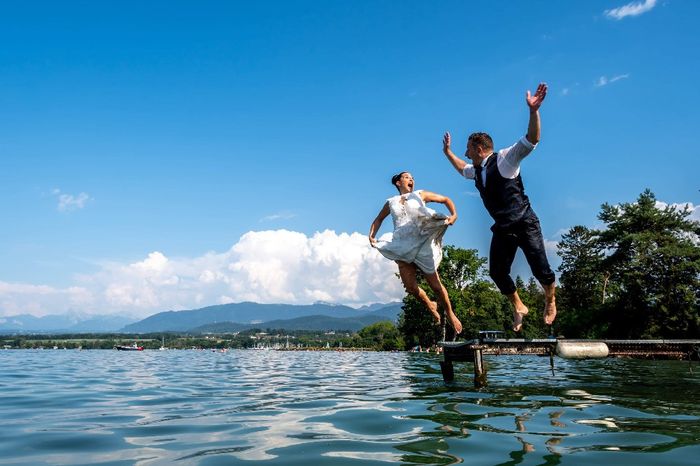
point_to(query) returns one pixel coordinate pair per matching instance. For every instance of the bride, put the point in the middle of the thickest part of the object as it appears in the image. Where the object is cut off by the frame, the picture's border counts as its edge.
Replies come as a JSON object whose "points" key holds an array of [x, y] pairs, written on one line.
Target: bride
{"points": [[416, 242]]}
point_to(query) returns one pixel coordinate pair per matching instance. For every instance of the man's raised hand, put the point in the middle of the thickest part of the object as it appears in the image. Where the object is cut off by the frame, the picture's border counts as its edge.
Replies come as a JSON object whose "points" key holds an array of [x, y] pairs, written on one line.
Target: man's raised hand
{"points": [[534, 101], [446, 140]]}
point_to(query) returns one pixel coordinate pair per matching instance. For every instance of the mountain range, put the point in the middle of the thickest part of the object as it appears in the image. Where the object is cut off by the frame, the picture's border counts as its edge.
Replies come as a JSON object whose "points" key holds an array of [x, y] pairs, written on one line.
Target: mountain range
{"points": [[312, 323], [63, 323], [232, 317], [257, 315]]}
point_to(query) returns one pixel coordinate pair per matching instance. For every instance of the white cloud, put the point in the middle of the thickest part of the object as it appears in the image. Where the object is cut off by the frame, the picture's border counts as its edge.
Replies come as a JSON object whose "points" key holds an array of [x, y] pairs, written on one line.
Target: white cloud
{"points": [[275, 266], [618, 77], [604, 80], [69, 202], [569, 89], [550, 246], [278, 216], [694, 209], [694, 215], [630, 9], [39, 300]]}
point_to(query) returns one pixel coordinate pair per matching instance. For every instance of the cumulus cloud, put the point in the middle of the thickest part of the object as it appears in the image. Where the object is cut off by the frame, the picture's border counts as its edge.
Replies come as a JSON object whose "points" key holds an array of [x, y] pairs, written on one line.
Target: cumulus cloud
{"points": [[274, 266], [604, 80], [630, 9], [69, 202], [693, 209], [551, 246], [40, 300]]}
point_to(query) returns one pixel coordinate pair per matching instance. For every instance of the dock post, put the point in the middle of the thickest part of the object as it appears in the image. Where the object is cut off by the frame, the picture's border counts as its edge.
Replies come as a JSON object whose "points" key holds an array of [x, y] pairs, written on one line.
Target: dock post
{"points": [[479, 369], [448, 372], [551, 360]]}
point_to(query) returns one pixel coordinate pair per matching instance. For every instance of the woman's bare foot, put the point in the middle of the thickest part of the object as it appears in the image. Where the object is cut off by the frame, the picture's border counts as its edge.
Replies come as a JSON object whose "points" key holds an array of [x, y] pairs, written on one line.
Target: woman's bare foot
{"points": [[433, 308], [518, 314], [456, 324]]}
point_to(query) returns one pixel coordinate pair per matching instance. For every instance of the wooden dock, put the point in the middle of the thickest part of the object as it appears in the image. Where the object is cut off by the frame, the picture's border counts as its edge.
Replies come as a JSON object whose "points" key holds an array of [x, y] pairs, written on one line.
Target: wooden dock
{"points": [[488, 343]]}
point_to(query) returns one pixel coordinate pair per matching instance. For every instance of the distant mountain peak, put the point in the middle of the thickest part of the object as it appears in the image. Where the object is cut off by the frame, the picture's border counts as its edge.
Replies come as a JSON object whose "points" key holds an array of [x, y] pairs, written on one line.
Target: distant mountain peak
{"points": [[186, 320]]}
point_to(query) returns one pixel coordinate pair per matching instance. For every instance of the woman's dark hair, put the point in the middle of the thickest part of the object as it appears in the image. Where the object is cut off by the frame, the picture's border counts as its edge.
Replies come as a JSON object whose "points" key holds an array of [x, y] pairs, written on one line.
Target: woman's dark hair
{"points": [[396, 178]]}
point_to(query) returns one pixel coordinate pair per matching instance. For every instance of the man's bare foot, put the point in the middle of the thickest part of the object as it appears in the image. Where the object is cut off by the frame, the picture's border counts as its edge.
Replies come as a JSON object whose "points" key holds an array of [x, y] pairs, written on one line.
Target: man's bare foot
{"points": [[550, 305], [433, 308], [550, 311], [518, 314], [456, 324]]}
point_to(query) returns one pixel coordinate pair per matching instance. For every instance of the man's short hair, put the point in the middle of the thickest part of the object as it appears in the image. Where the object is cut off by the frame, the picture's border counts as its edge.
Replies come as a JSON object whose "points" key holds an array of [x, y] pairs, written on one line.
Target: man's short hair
{"points": [[481, 139]]}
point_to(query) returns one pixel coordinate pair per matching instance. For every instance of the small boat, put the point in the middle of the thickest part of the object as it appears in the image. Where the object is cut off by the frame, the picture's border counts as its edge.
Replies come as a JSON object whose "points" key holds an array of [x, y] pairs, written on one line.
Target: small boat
{"points": [[133, 347]]}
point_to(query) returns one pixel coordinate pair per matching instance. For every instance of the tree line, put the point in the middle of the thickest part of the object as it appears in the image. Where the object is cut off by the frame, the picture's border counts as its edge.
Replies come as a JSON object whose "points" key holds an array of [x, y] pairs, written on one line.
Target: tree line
{"points": [[636, 277], [381, 336]]}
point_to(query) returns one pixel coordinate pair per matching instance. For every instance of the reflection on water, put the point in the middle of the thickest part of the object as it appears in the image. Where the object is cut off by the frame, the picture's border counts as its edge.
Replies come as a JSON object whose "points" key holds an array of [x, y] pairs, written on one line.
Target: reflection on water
{"points": [[197, 407]]}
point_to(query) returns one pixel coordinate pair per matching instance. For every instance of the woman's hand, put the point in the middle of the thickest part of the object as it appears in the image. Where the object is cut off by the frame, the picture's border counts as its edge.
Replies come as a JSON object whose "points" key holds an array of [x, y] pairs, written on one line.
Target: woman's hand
{"points": [[374, 228], [451, 220]]}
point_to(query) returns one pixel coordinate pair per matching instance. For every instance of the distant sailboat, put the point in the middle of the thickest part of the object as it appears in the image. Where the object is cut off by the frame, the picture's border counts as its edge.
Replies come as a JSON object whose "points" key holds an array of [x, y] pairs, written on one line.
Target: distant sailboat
{"points": [[162, 344]]}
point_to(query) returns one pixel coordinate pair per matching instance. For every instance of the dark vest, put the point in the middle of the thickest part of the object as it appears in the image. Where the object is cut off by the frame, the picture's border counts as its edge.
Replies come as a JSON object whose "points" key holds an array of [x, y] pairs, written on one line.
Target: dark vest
{"points": [[504, 198]]}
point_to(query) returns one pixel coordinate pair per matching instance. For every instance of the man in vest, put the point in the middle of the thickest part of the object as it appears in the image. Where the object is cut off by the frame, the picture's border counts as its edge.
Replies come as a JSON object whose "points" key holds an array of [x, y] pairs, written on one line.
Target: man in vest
{"points": [[497, 178]]}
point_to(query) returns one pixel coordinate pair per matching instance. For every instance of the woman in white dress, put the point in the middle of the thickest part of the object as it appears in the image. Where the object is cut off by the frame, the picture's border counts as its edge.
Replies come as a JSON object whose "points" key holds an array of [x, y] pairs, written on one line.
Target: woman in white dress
{"points": [[416, 242]]}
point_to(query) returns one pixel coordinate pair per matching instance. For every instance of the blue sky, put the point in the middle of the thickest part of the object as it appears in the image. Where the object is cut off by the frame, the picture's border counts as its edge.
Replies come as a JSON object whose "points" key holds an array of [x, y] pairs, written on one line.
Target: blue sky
{"points": [[174, 155]]}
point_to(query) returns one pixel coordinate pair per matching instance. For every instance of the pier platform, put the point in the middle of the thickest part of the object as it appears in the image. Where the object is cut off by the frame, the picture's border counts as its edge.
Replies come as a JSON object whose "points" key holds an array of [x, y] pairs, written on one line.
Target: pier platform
{"points": [[489, 343]]}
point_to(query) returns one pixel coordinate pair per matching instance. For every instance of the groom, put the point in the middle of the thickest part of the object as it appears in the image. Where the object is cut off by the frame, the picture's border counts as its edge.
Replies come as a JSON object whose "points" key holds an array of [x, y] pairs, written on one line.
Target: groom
{"points": [[497, 178]]}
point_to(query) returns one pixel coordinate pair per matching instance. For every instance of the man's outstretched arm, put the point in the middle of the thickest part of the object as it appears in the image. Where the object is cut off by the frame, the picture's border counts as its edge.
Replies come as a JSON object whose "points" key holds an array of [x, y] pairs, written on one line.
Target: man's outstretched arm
{"points": [[534, 102], [456, 162]]}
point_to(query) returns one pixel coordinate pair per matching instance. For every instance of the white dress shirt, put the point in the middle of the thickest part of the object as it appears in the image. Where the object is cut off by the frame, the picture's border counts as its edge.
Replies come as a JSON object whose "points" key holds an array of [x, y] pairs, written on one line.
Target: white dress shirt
{"points": [[508, 161]]}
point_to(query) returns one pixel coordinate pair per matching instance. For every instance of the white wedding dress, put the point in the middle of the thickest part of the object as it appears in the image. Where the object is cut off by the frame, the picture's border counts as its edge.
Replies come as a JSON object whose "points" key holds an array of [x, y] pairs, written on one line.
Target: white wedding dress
{"points": [[418, 232]]}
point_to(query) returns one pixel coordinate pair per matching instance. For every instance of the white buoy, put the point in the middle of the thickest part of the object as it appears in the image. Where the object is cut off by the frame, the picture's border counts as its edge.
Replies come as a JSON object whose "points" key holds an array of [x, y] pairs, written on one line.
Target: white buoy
{"points": [[582, 349]]}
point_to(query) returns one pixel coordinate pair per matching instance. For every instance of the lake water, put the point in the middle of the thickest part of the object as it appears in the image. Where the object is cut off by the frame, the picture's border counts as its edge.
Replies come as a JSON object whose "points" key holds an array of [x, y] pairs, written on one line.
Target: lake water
{"points": [[350, 408]]}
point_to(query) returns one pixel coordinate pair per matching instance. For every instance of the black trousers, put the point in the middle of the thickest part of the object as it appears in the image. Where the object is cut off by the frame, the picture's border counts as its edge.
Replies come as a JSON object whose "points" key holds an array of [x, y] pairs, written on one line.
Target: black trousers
{"points": [[526, 234]]}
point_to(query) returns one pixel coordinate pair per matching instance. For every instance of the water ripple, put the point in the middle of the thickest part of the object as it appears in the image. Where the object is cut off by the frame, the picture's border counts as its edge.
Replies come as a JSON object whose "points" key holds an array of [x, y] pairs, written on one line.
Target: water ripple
{"points": [[200, 407]]}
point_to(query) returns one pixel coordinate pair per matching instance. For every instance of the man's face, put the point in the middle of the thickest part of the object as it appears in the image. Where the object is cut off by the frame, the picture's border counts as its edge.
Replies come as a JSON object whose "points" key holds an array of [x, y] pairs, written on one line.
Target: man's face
{"points": [[475, 151], [471, 150]]}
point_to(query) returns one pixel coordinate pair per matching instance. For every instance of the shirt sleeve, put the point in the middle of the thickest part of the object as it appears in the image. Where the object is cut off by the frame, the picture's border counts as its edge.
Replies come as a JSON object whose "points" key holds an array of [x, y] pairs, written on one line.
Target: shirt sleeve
{"points": [[509, 158], [468, 172]]}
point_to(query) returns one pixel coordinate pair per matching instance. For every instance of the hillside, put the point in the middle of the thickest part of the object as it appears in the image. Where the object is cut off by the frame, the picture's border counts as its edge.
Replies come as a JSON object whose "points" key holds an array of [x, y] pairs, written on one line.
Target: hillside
{"points": [[254, 314], [316, 322]]}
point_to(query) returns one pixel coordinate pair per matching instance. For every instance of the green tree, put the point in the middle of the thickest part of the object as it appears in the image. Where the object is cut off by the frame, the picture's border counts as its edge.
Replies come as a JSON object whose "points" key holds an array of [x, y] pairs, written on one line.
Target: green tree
{"points": [[637, 278], [654, 265], [381, 336], [583, 284], [475, 300]]}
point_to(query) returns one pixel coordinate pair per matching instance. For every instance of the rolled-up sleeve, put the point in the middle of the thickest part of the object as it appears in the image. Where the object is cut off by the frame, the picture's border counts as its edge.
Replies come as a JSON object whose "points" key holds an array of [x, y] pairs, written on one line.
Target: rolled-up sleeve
{"points": [[518, 151], [512, 156], [468, 172]]}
